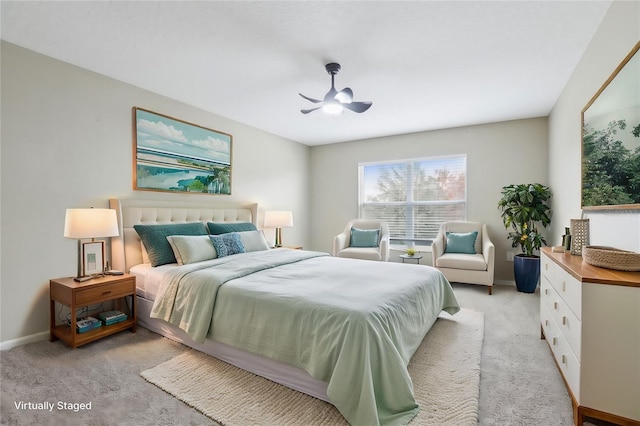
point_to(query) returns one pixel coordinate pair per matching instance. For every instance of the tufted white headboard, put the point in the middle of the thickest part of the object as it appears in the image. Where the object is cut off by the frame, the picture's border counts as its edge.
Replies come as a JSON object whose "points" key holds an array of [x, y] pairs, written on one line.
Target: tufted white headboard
{"points": [[126, 249]]}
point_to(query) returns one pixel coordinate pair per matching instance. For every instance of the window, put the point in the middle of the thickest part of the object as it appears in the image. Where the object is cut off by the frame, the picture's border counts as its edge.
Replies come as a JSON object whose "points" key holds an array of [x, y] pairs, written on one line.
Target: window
{"points": [[414, 196]]}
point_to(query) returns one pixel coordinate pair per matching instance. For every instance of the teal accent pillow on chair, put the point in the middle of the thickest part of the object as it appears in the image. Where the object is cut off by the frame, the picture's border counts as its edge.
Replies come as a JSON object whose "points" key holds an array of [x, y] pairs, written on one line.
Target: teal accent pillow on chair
{"points": [[461, 242], [154, 238], [364, 237]]}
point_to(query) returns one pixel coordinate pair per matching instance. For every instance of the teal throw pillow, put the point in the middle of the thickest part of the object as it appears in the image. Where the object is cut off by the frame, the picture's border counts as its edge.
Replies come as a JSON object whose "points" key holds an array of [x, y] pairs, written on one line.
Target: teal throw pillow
{"points": [[227, 244], [225, 228], [461, 242], [154, 238], [364, 237]]}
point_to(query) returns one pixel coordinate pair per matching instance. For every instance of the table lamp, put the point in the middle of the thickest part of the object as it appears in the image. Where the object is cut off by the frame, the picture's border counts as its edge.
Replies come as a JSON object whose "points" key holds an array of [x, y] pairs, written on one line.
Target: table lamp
{"points": [[278, 220], [90, 223]]}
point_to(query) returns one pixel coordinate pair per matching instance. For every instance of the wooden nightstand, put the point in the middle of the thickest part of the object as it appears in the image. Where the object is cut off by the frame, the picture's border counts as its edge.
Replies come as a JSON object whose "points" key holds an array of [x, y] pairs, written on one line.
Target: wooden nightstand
{"points": [[73, 294]]}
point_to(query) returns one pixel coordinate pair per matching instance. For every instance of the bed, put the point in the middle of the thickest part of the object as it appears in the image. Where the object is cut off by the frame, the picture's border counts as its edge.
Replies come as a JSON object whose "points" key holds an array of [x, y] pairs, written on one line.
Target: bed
{"points": [[342, 330]]}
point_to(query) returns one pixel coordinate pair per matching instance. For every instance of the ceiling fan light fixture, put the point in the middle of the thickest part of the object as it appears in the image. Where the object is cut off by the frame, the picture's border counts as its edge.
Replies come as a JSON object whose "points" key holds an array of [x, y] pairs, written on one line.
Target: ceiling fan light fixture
{"points": [[335, 102], [343, 98], [333, 108]]}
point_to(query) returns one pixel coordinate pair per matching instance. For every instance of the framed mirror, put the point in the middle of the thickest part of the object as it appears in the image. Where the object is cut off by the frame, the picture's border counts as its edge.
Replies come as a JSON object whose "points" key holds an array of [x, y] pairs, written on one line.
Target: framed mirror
{"points": [[611, 140]]}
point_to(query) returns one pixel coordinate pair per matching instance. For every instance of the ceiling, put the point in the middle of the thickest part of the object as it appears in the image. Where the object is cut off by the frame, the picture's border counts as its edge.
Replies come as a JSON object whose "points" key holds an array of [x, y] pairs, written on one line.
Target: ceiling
{"points": [[424, 64]]}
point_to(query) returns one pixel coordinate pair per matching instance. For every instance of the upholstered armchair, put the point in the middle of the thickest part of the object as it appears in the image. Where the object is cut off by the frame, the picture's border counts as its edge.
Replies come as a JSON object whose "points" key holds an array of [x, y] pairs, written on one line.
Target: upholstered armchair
{"points": [[359, 240], [460, 257]]}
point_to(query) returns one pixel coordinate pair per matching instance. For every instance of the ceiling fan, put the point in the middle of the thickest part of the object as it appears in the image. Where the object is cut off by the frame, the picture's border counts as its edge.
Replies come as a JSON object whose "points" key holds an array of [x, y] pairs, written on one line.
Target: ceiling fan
{"points": [[335, 102]]}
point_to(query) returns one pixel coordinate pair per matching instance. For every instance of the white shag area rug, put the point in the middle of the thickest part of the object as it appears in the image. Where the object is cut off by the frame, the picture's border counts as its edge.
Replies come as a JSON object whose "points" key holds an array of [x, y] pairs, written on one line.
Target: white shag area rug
{"points": [[445, 371]]}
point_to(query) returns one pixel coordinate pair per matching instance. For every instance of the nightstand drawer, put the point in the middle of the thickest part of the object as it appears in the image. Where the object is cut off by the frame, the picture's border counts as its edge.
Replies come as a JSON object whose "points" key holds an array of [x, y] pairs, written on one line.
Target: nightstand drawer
{"points": [[108, 291]]}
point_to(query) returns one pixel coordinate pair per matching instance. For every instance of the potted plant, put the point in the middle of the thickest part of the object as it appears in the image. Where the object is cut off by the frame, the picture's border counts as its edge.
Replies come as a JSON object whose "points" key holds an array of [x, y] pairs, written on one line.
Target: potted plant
{"points": [[523, 207]]}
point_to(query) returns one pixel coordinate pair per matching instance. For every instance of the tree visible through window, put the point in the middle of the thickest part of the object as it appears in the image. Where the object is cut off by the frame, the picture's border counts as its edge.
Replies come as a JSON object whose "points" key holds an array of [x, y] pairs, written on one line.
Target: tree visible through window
{"points": [[414, 196]]}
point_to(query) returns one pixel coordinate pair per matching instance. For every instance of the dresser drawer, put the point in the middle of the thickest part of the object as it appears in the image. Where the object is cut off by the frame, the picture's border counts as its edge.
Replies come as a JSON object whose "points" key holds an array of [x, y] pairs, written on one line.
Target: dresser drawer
{"points": [[570, 289], [569, 366], [551, 331], [567, 362], [107, 291], [568, 324], [547, 294], [547, 269]]}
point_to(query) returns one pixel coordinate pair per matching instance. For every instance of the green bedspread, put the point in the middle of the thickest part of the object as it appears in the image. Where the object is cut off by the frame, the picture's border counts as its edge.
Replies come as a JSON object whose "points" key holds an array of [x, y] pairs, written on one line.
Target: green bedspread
{"points": [[354, 324]]}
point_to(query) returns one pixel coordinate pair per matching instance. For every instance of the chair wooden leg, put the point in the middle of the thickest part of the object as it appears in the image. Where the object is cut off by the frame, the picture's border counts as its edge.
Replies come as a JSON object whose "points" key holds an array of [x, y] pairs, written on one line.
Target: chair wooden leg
{"points": [[490, 289]]}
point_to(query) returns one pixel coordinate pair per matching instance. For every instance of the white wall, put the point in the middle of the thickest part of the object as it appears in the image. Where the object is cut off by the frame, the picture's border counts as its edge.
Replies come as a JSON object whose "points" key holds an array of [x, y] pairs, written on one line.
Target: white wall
{"points": [[498, 154], [67, 142], [618, 33]]}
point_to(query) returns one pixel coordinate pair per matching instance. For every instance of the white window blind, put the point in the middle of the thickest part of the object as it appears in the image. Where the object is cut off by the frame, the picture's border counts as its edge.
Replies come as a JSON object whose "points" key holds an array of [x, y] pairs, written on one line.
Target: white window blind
{"points": [[414, 196]]}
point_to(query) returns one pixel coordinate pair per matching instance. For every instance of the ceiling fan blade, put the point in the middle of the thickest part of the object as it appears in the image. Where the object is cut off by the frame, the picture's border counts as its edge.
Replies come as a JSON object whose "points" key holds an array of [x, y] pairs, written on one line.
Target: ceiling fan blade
{"points": [[358, 106], [344, 96], [307, 111], [331, 95], [315, 101]]}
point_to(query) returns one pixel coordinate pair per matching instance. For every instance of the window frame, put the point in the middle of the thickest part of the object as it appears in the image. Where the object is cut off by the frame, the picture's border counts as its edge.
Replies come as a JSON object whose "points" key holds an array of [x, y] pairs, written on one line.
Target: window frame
{"points": [[409, 240]]}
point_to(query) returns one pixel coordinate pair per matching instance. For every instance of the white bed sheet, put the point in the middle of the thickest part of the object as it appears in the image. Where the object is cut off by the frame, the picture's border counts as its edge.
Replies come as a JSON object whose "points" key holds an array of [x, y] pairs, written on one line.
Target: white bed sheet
{"points": [[148, 278]]}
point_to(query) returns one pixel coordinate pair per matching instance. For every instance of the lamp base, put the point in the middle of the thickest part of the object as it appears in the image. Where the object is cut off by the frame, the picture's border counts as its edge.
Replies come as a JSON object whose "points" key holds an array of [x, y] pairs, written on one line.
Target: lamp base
{"points": [[278, 237]]}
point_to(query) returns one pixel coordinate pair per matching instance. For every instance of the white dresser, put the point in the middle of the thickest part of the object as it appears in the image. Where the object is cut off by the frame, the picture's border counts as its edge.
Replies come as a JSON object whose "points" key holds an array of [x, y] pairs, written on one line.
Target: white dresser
{"points": [[590, 317]]}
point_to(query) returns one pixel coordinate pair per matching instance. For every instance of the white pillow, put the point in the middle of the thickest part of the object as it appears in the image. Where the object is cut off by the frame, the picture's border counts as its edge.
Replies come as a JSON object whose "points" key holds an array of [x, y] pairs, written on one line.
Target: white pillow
{"points": [[192, 248], [253, 241]]}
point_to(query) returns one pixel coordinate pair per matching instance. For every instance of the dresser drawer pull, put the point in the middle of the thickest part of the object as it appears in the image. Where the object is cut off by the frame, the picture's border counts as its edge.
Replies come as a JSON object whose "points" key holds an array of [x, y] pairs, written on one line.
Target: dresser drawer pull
{"points": [[546, 266], [564, 359], [546, 322], [564, 286], [546, 291], [555, 305], [564, 320], [104, 293], [555, 341]]}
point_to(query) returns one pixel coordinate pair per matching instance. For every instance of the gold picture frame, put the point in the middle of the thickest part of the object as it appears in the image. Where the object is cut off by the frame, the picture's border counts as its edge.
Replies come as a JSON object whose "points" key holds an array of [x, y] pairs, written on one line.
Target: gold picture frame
{"points": [[172, 155], [611, 140]]}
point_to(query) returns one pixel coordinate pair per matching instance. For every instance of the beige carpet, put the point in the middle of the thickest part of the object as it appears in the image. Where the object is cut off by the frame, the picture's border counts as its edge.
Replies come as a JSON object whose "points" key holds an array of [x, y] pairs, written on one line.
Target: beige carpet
{"points": [[445, 371]]}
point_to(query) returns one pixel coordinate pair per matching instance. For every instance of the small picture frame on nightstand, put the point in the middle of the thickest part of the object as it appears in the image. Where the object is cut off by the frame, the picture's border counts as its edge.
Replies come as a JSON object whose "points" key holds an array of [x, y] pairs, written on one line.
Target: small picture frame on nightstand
{"points": [[93, 257]]}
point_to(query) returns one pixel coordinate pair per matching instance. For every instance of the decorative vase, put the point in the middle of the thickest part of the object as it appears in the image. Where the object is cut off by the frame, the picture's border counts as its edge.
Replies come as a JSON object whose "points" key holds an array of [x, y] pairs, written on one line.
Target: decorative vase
{"points": [[527, 272]]}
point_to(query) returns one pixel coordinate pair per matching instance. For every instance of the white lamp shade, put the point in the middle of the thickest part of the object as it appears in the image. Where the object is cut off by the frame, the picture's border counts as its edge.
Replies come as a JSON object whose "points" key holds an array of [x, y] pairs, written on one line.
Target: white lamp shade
{"points": [[278, 219], [90, 223]]}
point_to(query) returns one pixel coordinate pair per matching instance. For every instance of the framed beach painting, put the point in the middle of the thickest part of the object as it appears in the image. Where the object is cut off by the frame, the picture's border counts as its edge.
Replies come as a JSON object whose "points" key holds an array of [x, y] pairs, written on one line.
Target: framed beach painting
{"points": [[611, 140], [173, 155]]}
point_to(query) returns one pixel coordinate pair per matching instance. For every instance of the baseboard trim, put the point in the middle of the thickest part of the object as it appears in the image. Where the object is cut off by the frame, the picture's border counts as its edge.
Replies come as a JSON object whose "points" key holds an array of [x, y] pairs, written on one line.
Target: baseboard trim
{"points": [[6, 345]]}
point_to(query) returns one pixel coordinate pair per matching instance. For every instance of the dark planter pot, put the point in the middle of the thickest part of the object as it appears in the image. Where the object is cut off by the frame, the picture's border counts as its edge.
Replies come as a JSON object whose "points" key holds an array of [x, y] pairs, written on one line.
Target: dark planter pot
{"points": [[527, 272]]}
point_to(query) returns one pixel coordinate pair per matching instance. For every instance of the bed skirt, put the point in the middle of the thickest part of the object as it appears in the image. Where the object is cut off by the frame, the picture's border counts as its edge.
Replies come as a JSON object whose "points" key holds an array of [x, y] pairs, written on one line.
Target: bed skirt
{"points": [[289, 376]]}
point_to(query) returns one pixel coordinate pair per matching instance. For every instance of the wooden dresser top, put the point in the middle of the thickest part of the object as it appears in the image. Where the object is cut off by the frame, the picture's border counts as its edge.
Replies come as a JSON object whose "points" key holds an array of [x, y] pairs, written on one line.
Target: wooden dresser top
{"points": [[584, 272]]}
